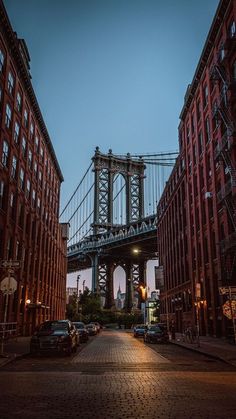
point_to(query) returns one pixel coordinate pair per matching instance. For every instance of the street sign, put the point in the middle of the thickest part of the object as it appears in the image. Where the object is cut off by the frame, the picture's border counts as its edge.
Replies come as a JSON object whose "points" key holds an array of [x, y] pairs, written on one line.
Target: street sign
{"points": [[227, 290], [10, 263], [8, 285], [229, 308]]}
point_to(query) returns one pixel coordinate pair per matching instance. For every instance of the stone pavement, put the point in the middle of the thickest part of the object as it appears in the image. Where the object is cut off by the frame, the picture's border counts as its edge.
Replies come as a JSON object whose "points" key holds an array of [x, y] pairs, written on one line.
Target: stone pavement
{"points": [[15, 348], [124, 349], [213, 347]]}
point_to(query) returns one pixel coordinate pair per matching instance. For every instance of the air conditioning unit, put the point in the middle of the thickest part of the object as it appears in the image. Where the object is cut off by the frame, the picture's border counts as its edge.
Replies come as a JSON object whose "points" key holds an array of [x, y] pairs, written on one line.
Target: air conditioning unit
{"points": [[208, 195]]}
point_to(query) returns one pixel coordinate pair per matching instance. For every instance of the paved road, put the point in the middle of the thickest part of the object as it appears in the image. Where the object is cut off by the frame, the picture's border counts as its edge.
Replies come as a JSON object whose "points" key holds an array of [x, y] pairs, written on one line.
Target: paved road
{"points": [[117, 376]]}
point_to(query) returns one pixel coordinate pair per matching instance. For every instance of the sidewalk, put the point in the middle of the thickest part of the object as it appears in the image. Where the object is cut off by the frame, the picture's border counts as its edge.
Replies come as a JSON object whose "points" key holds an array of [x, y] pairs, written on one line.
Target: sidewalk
{"points": [[210, 346], [15, 348]]}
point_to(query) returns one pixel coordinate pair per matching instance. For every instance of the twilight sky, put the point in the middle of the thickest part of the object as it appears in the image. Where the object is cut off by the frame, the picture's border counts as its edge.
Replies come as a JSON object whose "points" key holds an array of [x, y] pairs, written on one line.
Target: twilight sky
{"points": [[111, 73]]}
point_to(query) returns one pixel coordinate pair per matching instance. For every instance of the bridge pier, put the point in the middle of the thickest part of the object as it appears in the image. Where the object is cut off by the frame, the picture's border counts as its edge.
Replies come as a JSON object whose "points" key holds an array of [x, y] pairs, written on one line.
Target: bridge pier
{"points": [[109, 290]]}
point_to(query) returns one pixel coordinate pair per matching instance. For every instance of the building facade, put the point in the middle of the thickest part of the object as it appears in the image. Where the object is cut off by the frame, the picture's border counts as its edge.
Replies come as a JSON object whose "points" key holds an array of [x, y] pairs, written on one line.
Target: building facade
{"points": [[30, 179], [207, 141]]}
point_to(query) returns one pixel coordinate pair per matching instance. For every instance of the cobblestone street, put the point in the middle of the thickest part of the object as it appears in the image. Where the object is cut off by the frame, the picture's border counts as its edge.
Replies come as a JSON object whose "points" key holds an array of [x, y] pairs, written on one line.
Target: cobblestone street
{"points": [[117, 376]]}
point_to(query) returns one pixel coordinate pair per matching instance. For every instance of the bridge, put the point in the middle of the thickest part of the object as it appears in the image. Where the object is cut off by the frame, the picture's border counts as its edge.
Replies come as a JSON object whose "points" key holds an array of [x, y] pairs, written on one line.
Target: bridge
{"points": [[112, 217]]}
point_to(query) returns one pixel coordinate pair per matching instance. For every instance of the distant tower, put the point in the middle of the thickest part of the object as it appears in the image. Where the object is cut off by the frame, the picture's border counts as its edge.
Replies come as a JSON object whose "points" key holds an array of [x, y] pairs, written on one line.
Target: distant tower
{"points": [[118, 297]]}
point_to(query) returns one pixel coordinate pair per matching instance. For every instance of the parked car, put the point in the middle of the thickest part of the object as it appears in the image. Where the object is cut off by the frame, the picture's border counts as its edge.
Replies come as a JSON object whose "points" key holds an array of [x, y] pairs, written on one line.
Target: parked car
{"points": [[139, 330], [156, 333], [82, 331], [54, 336], [92, 329], [98, 326]]}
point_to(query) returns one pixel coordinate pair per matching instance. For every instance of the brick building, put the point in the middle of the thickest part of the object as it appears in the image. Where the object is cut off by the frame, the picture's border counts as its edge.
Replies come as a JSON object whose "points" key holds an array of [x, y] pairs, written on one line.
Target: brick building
{"points": [[197, 227], [30, 180]]}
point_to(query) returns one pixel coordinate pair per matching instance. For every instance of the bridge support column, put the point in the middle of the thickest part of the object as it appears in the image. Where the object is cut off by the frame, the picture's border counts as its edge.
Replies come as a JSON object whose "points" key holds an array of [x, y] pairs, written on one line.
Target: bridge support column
{"points": [[129, 288], [109, 292]]}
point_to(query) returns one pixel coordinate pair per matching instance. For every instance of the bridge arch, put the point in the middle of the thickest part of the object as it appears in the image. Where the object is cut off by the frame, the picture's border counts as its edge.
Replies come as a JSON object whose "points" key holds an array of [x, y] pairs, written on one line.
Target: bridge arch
{"points": [[119, 186]]}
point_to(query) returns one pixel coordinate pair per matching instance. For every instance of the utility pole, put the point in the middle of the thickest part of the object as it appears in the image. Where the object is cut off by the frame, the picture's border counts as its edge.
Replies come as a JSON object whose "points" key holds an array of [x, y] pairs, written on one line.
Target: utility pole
{"points": [[83, 285]]}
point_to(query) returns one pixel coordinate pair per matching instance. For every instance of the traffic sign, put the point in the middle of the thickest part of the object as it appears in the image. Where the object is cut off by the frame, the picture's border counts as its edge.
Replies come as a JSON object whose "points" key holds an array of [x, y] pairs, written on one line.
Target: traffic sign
{"points": [[8, 285], [10, 263], [229, 308], [227, 290]]}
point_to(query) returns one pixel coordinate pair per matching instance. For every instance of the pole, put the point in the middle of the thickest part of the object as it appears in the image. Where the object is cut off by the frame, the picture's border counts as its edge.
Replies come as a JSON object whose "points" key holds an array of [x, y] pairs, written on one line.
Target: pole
{"points": [[5, 312], [232, 314]]}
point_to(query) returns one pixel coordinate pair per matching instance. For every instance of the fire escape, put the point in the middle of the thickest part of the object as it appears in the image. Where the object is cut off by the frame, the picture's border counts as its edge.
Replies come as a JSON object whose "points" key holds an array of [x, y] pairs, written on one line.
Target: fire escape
{"points": [[224, 114]]}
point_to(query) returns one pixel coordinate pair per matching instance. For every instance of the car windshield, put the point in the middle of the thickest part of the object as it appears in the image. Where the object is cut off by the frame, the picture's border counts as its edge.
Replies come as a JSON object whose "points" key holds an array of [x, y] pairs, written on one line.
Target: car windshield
{"points": [[79, 325], [140, 326], [54, 326], [155, 329]]}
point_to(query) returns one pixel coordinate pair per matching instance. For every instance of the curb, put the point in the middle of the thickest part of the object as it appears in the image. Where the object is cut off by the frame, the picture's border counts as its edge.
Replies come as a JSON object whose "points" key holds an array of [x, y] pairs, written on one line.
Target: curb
{"points": [[200, 351], [11, 358]]}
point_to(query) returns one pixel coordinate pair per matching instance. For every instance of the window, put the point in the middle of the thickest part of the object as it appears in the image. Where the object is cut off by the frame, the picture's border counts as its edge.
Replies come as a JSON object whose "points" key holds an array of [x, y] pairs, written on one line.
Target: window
{"points": [[30, 159], [194, 154], [23, 147], [13, 167], [232, 30], [16, 132], [2, 190], [9, 248], [207, 129], [200, 143], [41, 152], [10, 82], [193, 124], [22, 178], [37, 143], [31, 129], [234, 72], [1, 61], [12, 204], [205, 96], [40, 177], [18, 101], [0, 94], [188, 134], [33, 198], [8, 116], [25, 118], [5, 153], [35, 169], [28, 188], [38, 203], [198, 110]]}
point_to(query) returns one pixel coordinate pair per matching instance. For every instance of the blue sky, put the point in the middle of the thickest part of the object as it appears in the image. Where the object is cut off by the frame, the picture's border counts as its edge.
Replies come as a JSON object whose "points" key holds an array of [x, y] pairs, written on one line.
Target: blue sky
{"points": [[111, 73]]}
